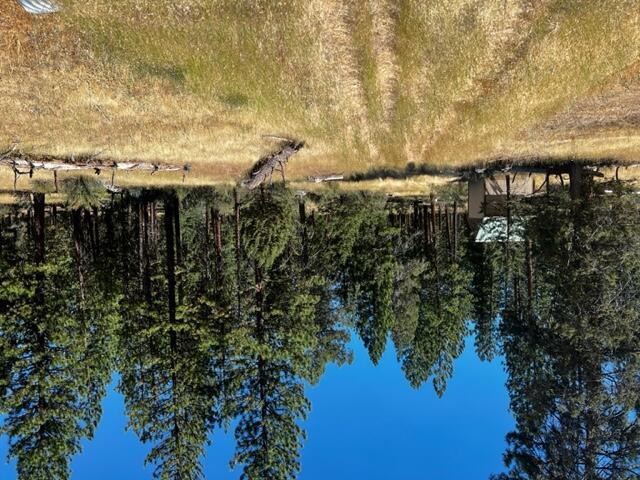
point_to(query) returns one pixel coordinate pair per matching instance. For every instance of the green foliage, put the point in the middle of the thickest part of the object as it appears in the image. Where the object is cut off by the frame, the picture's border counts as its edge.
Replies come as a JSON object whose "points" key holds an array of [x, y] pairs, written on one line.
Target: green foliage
{"points": [[338, 225], [370, 272], [268, 223], [166, 371], [56, 358], [251, 327], [407, 301], [442, 326], [489, 281], [83, 192], [572, 354], [168, 394]]}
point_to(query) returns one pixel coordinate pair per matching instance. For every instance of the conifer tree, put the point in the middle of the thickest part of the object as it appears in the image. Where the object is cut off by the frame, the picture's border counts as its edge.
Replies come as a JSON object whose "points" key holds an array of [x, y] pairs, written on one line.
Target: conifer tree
{"points": [[572, 353], [56, 351]]}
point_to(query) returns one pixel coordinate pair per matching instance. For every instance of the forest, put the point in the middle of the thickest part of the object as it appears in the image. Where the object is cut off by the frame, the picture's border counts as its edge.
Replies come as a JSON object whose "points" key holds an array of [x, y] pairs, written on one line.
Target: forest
{"points": [[218, 308]]}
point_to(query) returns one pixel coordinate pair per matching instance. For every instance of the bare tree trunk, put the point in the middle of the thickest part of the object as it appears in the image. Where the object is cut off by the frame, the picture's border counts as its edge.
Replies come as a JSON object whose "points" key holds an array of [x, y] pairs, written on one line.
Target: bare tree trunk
{"points": [[178, 234], [170, 260], [217, 233], [170, 215], [39, 226], [455, 230], [123, 223], [141, 252], [425, 228], [529, 278], [236, 211], [207, 251], [508, 208], [448, 229], [303, 222], [109, 227], [178, 241], [154, 223], [433, 221], [146, 262], [96, 231], [576, 181], [89, 224], [77, 241], [547, 180]]}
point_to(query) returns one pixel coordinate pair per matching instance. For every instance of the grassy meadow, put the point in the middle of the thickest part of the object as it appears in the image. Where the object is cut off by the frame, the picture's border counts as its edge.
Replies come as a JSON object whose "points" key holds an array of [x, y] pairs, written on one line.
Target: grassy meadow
{"points": [[367, 83]]}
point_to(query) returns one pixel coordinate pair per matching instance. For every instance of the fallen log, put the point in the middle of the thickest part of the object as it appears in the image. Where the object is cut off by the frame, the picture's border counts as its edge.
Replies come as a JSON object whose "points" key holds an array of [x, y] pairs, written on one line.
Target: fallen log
{"points": [[22, 164], [326, 178], [57, 165], [277, 160]]}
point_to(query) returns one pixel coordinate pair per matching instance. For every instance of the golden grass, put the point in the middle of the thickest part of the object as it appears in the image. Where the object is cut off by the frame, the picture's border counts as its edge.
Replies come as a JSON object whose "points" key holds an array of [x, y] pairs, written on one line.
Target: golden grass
{"points": [[367, 83], [575, 48]]}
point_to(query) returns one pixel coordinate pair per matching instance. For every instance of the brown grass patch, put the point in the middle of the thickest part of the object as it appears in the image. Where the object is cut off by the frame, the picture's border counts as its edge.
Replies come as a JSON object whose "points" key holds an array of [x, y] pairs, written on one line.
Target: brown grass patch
{"points": [[369, 83]]}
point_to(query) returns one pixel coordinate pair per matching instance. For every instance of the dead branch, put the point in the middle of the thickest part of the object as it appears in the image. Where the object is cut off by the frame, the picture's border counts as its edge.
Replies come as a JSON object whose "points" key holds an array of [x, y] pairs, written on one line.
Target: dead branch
{"points": [[277, 160]]}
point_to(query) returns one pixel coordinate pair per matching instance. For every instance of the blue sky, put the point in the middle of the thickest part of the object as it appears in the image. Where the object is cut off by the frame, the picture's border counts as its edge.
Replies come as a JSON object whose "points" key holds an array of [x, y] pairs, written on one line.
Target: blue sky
{"points": [[366, 422]]}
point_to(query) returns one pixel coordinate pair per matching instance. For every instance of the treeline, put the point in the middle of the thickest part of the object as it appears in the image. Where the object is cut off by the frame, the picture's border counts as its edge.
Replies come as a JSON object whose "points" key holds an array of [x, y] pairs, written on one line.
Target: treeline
{"points": [[562, 307], [215, 309]]}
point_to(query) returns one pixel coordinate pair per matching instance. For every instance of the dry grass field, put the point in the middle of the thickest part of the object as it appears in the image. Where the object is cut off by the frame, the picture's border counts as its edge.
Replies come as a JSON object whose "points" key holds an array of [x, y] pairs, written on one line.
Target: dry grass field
{"points": [[367, 83]]}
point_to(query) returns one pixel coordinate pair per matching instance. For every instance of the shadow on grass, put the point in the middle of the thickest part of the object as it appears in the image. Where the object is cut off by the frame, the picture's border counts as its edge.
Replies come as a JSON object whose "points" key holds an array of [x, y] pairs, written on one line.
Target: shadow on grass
{"points": [[551, 164]]}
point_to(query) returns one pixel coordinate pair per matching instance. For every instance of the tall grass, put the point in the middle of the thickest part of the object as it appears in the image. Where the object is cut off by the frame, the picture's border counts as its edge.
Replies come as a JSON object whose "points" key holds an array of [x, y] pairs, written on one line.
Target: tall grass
{"points": [[366, 82]]}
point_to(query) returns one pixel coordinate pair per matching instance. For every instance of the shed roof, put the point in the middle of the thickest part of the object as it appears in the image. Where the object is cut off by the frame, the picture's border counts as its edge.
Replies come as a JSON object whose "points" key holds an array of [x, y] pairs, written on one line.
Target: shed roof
{"points": [[38, 7]]}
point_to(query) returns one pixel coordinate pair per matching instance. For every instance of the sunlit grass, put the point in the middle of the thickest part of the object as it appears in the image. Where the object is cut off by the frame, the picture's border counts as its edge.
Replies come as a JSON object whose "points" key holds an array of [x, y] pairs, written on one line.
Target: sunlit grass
{"points": [[366, 83]]}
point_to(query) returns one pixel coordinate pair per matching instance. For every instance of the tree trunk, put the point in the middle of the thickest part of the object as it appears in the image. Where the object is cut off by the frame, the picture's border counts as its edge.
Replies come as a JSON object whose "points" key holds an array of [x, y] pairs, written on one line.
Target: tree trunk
{"points": [[141, 252], [39, 226], [217, 235], [146, 261], [170, 258], [236, 211], [455, 230], [433, 222], [426, 228], [448, 228], [576, 181], [205, 244], [530, 279], [76, 218], [89, 224], [96, 231], [178, 242], [303, 222]]}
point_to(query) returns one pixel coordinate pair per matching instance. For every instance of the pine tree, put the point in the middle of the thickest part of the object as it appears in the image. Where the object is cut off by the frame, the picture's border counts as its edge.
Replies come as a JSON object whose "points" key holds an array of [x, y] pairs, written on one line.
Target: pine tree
{"points": [[166, 375], [572, 353], [56, 353]]}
